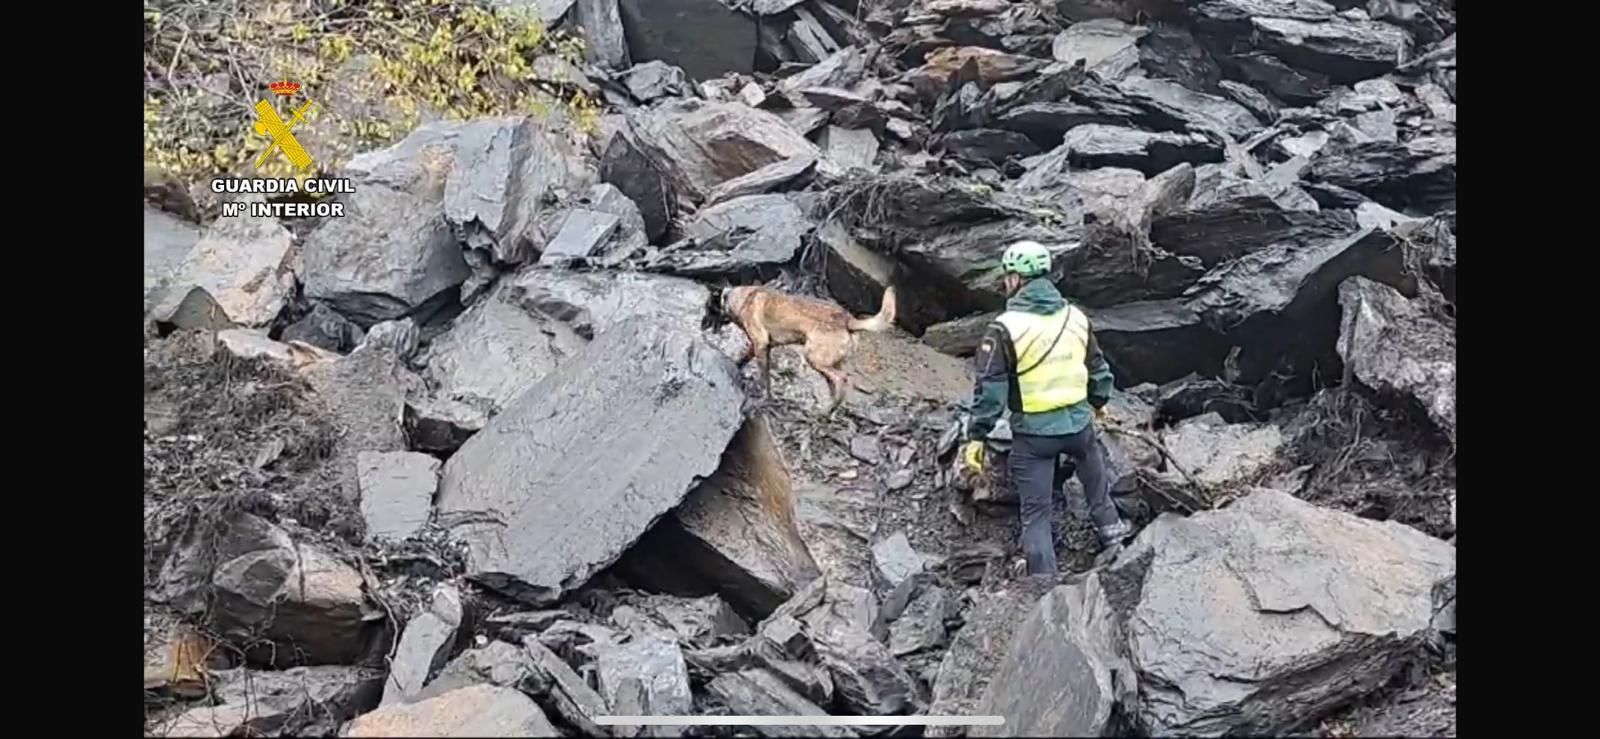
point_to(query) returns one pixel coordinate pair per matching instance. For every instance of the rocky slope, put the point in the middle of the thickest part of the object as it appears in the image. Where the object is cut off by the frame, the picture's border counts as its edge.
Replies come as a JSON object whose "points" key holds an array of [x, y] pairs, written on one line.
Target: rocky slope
{"points": [[478, 459]]}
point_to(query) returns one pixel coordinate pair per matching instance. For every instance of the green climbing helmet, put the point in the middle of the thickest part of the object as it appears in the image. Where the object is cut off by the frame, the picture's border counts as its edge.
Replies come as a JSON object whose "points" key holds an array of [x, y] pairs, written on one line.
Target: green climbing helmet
{"points": [[1026, 258]]}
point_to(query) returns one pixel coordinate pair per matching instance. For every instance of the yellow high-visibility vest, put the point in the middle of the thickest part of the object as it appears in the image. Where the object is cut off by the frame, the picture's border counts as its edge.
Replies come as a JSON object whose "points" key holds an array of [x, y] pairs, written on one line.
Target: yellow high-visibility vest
{"points": [[1051, 352]]}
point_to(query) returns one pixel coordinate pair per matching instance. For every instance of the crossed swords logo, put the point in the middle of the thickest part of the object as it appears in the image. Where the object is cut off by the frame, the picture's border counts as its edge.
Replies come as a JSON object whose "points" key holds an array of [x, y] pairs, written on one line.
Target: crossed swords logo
{"points": [[282, 137]]}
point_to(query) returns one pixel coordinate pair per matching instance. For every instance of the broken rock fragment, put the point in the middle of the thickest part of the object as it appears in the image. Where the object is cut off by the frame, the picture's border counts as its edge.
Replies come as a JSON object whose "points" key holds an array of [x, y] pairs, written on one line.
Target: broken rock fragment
{"points": [[1157, 341], [921, 626], [749, 235], [758, 692], [476, 710], [898, 569], [1063, 672], [494, 351], [241, 264], [1393, 345], [590, 303], [1235, 220], [1097, 145], [698, 145], [396, 491], [736, 531], [424, 646], [578, 703], [657, 665], [1256, 617], [635, 433], [307, 606]]}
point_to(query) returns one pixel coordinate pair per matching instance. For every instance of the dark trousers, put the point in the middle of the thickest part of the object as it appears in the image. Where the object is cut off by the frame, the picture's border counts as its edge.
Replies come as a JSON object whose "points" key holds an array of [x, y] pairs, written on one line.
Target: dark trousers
{"points": [[1036, 477]]}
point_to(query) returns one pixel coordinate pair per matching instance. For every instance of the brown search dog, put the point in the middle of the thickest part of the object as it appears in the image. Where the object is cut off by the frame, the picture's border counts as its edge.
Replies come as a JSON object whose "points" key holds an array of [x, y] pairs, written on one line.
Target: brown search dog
{"points": [[770, 318]]}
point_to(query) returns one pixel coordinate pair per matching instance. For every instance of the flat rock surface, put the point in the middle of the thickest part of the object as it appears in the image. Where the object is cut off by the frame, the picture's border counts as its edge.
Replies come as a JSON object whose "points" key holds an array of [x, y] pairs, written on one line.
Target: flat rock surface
{"points": [[1253, 617], [576, 468], [477, 710]]}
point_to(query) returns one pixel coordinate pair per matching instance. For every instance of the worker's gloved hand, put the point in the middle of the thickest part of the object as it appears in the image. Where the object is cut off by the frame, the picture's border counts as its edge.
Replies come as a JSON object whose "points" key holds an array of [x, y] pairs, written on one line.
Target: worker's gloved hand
{"points": [[972, 455]]}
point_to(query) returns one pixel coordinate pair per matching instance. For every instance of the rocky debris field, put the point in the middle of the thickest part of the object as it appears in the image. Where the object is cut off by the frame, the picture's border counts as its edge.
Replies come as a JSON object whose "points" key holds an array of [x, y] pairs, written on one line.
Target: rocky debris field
{"points": [[478, 459]]}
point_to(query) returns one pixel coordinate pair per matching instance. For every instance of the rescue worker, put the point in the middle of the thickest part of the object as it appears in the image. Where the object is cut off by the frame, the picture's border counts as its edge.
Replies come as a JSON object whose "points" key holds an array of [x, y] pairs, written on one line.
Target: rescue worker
{"points": [[1040, 360]]}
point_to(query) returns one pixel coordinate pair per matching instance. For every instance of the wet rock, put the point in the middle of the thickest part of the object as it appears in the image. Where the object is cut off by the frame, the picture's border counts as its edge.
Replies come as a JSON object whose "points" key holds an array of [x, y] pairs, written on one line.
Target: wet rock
{"points": [[698, 145], [326, 329], [987, 145], [1193, 395], [746, 236], [808, 38], [167, 243], [705, 37], [242, 265], [299, 701], [921, 626], [657, 664], [700, 620], [961, 265], [494, 351], [295, 601], [396, 491], [1258, 104], [1236, 220], [574, 700], [1096, 145], [898, 570], [394, 250], [424, 646], [1107, 47], [1393, 345], [734, 533], [1064, 671], [627, 167], [856, 275], [1419, 175], [990, 67], [1280, 303], [804, 121], [1048, 122], [1156, 341], [1260, 616], [605, 42], [758, 692], [590, 303], [1438, 102], [975, 651], [477, 710], [653, 80], [845, 149], [776, 176], [602, 421]]}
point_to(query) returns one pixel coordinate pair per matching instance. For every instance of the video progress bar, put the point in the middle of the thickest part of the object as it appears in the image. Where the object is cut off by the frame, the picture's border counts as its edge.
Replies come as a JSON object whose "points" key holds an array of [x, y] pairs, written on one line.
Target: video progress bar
{"points": [[800, 720]]}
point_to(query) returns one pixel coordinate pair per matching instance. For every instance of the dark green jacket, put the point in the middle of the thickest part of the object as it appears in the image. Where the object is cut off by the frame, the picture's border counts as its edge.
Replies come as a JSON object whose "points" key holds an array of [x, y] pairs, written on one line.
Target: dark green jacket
{"points": [[996, 364]]}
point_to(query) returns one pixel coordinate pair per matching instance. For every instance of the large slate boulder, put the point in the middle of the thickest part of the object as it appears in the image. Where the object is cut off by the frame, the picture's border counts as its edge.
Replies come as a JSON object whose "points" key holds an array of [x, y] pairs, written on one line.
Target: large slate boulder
{"points": [[1416, 176], [241, 265], [578, 466], [592, 302], [1157, 341], [1394, 345], [1280, 304], [1064, 671], [745, 237], [1264, 616], [759, 692], [393, 251], [975, 652], [735, 532], [707, 38], [507, 177], [494, 351], [697, 145], [1234, 220], [1094, 145]]}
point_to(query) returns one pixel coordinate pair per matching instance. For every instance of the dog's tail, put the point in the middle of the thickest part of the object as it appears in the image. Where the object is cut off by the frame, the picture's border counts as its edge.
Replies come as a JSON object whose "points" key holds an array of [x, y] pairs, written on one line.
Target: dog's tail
{"points": [[880, 322]]}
